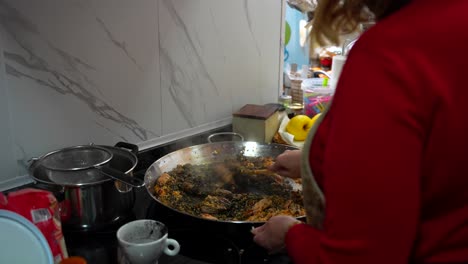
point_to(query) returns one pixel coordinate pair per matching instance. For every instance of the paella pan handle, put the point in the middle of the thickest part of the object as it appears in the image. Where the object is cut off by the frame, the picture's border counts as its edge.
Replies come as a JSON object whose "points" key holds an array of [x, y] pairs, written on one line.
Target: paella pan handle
{"points": [[225, 136], [118, 175]]}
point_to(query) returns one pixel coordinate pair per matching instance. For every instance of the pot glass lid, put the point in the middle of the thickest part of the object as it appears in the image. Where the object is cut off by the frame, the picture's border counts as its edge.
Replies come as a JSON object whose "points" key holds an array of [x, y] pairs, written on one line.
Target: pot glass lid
{"points": [[76, 158]]}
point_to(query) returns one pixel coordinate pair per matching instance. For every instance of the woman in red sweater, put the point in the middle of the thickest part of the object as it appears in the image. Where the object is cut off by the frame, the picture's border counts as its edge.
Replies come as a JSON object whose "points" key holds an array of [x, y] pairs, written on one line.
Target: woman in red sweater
{"points": [[385, 174]]}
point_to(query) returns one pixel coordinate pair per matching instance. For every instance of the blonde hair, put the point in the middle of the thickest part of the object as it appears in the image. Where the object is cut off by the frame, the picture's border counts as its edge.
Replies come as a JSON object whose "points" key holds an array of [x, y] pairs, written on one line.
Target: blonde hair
{"points": [[333, 18]]}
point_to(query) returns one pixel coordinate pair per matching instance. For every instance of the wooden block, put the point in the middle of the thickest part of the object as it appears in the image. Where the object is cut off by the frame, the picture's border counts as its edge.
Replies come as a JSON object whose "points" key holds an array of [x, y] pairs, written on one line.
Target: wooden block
{"points": [[256, 122]]}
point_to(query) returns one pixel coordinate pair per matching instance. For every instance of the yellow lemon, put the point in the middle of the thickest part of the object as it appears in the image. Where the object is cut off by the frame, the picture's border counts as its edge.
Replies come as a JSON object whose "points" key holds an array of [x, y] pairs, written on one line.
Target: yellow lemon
{"points": [[299, 126]]}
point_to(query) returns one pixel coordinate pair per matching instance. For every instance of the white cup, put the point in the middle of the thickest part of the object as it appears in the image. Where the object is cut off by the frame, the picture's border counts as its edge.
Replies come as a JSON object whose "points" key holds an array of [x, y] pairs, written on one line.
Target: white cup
{"points": [[144, 241]]}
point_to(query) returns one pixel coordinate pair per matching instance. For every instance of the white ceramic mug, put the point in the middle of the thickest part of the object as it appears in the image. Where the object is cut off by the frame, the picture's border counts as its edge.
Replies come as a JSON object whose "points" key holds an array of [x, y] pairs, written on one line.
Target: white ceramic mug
{"points": [[144, 241]]}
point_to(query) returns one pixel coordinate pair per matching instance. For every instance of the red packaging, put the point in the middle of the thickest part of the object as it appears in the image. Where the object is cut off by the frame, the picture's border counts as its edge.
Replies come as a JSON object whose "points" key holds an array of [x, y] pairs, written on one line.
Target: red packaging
{"points": [[41, 208]]}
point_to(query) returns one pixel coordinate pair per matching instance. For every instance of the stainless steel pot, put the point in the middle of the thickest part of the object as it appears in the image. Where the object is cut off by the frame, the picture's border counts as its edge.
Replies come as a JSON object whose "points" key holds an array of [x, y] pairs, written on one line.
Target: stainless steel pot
{"points": [[92, 203], [209, 153]]}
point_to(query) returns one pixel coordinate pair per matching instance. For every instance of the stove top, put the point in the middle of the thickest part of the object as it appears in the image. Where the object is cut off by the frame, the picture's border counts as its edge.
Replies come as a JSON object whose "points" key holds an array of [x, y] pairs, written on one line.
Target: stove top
{"points": [[202, 242]]}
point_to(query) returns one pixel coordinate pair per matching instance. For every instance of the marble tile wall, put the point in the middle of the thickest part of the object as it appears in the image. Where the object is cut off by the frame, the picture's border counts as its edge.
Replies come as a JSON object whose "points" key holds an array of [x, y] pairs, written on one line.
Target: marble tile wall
{"points": [[7, 159], [143, 71]]}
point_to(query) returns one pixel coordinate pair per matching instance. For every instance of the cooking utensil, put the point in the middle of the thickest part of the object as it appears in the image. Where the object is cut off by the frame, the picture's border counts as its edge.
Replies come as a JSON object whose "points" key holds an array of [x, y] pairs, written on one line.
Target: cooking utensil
{"points": [[208, 153], [76, 158], [69, 165], [92, 201], [124, 160]]}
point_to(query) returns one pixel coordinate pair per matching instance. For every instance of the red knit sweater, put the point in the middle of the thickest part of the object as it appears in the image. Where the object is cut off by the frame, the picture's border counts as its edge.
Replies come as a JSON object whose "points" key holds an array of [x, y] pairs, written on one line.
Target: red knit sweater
{"points": [[392, 153]]}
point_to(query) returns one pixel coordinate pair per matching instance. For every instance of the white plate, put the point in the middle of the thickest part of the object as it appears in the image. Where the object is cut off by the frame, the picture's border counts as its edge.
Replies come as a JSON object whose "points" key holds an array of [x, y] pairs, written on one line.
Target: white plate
{"points": [[21, 241]]}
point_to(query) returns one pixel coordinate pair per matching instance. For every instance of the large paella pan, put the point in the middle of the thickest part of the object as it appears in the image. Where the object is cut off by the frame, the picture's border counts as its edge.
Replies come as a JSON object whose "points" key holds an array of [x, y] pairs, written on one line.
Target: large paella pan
{"points": [[224, 182]]}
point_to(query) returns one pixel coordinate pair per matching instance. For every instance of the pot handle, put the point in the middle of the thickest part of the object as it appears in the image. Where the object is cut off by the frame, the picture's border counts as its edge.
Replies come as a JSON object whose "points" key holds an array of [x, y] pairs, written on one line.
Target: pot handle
{"points": [[132, 147], [120, 176], [55, 189], [224, 134]]}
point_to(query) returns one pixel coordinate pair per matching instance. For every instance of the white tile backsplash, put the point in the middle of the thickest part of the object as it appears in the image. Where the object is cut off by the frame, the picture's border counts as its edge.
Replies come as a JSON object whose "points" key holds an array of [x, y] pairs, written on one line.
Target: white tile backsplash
{"points": [[145, 71]]}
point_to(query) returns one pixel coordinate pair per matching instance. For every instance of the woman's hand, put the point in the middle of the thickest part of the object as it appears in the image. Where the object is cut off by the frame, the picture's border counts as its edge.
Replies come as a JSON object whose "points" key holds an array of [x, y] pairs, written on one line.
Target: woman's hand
{"points": [[272, 234], [288, 164]]}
